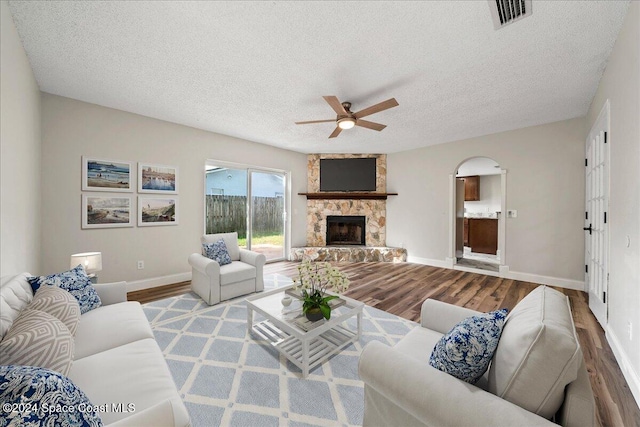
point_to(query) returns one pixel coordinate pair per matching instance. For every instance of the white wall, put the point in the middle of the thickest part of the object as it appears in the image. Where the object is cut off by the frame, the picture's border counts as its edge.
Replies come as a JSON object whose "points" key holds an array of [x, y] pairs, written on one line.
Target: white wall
{"points": [[545, 184], [19, 155], [490, 196], [73, 128], [620, 84]]}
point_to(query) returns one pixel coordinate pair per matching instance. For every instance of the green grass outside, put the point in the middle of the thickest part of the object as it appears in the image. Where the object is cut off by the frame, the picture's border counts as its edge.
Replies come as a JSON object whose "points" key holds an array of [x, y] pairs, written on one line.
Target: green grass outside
{"points": [[271, 239]]}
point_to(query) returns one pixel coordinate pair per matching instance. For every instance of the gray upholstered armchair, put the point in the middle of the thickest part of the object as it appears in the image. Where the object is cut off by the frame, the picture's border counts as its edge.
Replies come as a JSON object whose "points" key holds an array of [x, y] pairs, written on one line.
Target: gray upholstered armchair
{"points": [[215, 282]]}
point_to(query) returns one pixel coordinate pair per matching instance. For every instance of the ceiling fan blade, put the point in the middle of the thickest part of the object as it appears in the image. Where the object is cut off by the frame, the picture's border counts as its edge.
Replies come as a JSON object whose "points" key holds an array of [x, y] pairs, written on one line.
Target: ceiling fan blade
{"points": [[315, 121], [384, 105], [370, 125], [336, 105], [336, 132]]}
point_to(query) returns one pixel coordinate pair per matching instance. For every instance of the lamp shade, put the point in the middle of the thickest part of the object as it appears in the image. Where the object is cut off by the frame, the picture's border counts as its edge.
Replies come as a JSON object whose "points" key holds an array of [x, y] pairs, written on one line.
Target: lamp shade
{"points": [[91, 261]]}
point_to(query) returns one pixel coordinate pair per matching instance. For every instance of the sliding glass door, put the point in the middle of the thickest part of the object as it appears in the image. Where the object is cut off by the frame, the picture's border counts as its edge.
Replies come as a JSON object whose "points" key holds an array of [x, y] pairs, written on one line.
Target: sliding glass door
{"points": [[226, 201], [250, 202], [267, 213]]}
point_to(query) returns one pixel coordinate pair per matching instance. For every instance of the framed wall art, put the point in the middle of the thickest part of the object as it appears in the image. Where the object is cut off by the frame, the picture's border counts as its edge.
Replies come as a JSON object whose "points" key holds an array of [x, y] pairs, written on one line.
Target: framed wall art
{"points": [[157, 211], [106, 175], [100, 211], [157, 179]]}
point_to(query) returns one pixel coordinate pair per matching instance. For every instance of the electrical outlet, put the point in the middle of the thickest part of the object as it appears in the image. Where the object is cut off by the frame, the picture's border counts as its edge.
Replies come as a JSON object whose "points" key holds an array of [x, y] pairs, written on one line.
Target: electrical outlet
{"points": [[630, 330], [512, 213], [140, 265]]}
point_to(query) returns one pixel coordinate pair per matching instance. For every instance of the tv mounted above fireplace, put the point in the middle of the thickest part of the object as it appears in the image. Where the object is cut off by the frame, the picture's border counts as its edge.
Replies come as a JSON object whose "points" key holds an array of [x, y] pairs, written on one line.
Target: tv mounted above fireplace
{"points": [[348, 174]]}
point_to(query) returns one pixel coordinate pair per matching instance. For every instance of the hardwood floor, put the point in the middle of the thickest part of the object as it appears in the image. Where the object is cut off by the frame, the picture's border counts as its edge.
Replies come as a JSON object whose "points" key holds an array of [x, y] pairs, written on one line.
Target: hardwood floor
{"points": [[161, 292], [401, 288]]}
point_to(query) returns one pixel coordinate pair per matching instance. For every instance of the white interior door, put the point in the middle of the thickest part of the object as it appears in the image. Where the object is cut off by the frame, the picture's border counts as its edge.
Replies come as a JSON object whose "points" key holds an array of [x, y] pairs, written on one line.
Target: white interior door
{"points": [[596, 221]]}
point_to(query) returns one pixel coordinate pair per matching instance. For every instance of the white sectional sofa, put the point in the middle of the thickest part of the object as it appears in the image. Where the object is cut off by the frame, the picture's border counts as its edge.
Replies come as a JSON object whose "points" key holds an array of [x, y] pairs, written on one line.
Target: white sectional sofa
{"points": [[537, 376], [116, 359]]}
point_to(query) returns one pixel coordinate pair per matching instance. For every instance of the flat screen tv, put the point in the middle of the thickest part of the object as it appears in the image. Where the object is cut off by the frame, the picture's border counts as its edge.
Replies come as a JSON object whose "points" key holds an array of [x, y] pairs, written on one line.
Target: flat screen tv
{"points": [[348, 174]]}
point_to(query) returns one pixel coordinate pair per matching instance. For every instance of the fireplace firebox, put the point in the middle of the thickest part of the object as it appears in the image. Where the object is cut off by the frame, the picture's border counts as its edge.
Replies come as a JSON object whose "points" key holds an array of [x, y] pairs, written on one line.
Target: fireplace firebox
{"points": [[346, 230]]}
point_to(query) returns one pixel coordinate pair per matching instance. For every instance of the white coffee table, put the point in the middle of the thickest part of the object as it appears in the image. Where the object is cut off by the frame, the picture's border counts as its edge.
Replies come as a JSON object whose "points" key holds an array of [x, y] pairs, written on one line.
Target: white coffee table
{"points": [[304, 348]]}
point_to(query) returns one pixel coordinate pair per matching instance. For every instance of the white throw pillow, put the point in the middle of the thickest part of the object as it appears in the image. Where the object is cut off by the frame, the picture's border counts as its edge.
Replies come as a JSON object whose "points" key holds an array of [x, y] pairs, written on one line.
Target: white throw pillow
{"points": [[538, 353]]}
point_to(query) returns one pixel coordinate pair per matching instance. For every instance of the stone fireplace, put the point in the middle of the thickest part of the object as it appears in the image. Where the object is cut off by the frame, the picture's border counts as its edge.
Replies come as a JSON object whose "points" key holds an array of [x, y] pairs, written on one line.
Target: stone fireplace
{"points": [[346, 230], [343, 239], [374, 211]]}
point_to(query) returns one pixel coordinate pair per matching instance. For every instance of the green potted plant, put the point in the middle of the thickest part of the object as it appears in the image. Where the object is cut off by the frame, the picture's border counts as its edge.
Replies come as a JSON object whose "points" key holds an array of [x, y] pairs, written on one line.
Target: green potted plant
{"points": [[313, 280]]}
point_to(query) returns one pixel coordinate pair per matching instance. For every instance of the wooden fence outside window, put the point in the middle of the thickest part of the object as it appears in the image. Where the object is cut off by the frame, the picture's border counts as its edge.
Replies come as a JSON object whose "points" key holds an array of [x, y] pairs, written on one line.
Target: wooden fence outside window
{"points": [[229, 213]]}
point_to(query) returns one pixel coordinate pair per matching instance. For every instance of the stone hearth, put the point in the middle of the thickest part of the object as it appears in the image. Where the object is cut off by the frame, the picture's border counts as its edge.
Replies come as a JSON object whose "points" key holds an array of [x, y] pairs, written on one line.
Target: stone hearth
{"points": [[349, 254]]}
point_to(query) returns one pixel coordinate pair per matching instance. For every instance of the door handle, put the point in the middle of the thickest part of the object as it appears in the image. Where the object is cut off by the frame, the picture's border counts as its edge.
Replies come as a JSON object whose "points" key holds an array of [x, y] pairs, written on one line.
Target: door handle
{"points": [[588, 229]]}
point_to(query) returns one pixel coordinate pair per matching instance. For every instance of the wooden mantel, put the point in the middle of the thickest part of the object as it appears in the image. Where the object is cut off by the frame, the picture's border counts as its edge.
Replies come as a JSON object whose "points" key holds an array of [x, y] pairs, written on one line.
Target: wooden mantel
{"points": [[347, 195]]}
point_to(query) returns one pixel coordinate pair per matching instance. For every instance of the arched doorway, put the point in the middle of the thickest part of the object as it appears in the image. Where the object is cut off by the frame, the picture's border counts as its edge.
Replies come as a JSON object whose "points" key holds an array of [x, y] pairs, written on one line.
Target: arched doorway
{"points": [[478, 202]]}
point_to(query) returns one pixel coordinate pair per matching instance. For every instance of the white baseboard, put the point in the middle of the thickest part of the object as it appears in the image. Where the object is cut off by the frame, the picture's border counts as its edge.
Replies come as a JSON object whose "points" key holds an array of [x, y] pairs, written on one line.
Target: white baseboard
{"points": [[545, 280], [504, 272], [154, 282], [476, 270], [427, 261], [629, 373]]}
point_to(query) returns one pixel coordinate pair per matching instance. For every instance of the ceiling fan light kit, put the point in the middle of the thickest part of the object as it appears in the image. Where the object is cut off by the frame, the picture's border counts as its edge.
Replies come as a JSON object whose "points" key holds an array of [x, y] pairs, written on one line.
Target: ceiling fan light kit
{"points": [[346, 122], [346, 119]]}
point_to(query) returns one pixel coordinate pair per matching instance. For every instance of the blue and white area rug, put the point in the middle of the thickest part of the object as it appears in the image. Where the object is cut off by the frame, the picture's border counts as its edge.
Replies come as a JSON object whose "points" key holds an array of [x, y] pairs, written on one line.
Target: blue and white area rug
{"points": [[228, 378]]}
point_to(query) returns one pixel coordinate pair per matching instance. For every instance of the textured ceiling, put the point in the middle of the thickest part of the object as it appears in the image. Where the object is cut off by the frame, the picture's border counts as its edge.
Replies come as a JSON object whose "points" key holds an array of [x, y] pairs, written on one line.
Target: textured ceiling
{"points": [[251, 69]]}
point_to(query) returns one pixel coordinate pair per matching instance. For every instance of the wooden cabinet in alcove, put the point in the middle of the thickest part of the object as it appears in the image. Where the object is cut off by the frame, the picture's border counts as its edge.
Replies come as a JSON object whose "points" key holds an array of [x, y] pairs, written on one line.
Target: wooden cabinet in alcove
{"points": [[471, 188], [466, 232], [483, 235]]}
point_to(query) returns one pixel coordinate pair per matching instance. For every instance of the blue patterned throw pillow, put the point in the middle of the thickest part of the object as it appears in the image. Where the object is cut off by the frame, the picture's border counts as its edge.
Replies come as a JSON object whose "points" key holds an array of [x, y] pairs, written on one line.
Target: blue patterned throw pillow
{"points": [[466, 350], [217, 251], [74, 281], [41, 397]]}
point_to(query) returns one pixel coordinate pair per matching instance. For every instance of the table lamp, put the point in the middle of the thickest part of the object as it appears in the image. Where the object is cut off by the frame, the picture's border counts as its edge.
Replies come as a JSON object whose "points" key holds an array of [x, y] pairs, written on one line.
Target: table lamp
{"points": [[91, 261]]}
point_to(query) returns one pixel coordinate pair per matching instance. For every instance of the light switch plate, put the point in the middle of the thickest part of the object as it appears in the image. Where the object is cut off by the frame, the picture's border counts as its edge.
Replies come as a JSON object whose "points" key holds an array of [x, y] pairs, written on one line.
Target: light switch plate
{"points": [[512, 213]]}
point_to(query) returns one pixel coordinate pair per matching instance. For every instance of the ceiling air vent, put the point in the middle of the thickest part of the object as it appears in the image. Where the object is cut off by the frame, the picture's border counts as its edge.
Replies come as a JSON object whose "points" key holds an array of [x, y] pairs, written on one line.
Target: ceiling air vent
{"points": [[504, 12]]}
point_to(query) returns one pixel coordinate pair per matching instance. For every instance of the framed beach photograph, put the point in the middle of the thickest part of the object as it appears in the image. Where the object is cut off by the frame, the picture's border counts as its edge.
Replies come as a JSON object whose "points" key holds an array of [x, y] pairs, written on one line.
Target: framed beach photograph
{"points": [[105, 175], [157, 211], [157, 179], [100, 211]]}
